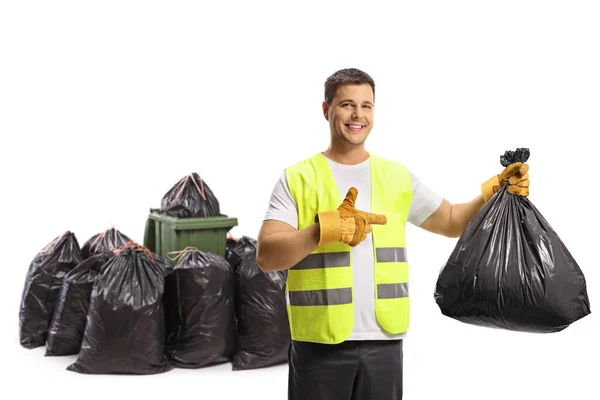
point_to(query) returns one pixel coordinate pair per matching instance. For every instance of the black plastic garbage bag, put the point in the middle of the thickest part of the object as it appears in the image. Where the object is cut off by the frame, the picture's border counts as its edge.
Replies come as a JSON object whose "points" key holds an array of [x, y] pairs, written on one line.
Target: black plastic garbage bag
{"points": [[200, 310], [191, 197], [262, 322], [510, 270], [42, 286], [70, 314], [236, 248], [125, 328], [102, 242]]}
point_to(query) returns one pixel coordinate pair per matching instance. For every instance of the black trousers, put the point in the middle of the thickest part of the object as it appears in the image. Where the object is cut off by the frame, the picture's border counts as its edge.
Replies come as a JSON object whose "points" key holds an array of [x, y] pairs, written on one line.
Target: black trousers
{"points": [[353, 370]]}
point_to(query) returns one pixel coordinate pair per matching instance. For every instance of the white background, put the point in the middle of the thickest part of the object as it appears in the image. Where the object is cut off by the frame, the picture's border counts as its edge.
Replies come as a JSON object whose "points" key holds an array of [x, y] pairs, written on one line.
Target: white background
{"points": [[105, 105]]}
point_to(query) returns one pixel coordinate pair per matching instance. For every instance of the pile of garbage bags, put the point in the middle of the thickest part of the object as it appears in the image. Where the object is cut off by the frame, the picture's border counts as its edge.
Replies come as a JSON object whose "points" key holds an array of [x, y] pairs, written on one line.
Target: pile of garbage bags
{"points": [[125, 310]]}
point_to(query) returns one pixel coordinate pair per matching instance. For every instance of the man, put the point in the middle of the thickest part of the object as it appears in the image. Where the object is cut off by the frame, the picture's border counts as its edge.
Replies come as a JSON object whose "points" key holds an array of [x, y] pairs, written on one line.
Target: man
{"points": [[336, 222]]}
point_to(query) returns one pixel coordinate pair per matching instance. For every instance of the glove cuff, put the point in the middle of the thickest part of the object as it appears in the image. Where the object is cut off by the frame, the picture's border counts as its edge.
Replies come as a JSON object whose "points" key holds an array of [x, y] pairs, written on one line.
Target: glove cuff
{"points": [[490, 187], [330, 225]]}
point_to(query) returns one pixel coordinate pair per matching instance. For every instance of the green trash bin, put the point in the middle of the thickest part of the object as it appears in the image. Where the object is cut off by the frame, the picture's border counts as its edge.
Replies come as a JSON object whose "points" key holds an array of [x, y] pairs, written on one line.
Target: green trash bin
{"points": [[164, 233]]}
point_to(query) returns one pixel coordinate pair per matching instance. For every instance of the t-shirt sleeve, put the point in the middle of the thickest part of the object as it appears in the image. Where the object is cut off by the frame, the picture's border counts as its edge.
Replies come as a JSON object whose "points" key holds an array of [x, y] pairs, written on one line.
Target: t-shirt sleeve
{"points": [[282, 206], [425, 201]]}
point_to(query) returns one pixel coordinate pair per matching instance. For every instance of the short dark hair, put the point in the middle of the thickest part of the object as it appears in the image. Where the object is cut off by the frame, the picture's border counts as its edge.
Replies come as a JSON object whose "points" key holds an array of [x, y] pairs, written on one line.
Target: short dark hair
{"points": [[346, 76]]}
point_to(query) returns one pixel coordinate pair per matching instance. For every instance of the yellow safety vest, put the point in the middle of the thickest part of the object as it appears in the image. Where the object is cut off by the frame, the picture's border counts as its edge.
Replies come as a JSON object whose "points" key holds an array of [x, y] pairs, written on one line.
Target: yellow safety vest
{"points": [[319, 289]]}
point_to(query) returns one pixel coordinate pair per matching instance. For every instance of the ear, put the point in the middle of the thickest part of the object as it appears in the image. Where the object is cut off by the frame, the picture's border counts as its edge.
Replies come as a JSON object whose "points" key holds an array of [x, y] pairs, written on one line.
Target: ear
{"points": [[326, 110]]}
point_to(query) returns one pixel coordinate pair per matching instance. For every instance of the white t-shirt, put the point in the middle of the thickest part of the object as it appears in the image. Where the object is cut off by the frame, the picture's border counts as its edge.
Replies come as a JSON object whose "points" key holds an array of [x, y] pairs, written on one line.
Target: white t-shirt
{"points": [[424, 202]]}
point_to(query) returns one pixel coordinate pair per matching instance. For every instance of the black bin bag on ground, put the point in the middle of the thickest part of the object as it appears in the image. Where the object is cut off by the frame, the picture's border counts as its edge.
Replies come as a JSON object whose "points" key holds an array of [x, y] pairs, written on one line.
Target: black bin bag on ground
{"points": [[191, 197], [70, 314], [200, 310], [262, 322], [125, 328], [510, 270], [42, 287], [103, 242]]}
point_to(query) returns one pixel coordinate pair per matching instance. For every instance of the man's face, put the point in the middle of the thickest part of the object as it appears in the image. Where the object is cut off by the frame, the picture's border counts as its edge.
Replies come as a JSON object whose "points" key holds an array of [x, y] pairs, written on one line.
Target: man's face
{"points": [[350, 114]]}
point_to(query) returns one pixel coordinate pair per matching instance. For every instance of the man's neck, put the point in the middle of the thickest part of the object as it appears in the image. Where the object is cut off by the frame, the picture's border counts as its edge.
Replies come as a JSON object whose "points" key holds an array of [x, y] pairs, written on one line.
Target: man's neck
{"points": [[347, 156]]}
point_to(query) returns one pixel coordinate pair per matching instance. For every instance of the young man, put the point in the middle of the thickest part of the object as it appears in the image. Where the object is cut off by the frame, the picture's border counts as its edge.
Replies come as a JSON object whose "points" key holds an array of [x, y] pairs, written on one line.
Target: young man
{"points": [[336, 222]]}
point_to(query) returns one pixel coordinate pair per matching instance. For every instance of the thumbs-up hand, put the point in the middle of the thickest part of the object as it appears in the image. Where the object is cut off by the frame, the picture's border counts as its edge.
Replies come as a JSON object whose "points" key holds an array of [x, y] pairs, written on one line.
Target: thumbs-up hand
{"points": [[346, 224]]}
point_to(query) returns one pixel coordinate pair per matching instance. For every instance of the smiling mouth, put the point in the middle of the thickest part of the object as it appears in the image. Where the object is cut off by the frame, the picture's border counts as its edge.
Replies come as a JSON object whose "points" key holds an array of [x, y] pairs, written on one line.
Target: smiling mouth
{"points": [[355, 127]]}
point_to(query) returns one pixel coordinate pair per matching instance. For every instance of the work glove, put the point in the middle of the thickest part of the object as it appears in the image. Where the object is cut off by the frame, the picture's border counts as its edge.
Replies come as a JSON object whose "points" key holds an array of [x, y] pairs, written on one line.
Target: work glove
{"points": [[346, 224], [517, 177]]}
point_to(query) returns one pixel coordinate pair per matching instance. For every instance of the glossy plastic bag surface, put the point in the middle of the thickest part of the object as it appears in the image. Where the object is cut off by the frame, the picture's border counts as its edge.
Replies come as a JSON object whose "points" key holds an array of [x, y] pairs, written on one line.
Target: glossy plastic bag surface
{"points": [[510, 269], [200, 310], [42, 286], [103, 242], [262, 322], [70, 314], [125, 329], [191, 197], [236, 248]]}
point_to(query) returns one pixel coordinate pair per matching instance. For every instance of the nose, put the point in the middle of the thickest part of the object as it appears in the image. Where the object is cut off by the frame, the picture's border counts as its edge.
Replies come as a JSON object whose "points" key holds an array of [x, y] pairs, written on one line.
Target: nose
{"points": [[356, 114]]}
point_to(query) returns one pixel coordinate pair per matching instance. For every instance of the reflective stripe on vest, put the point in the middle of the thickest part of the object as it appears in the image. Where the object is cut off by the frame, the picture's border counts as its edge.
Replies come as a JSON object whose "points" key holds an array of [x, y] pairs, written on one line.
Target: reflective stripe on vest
{"points": [[319, 290]]}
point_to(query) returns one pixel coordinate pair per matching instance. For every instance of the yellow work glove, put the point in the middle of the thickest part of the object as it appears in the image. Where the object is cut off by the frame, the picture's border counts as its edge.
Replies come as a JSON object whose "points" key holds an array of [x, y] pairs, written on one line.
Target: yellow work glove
{"points": [[346, 224], [517, 177]]}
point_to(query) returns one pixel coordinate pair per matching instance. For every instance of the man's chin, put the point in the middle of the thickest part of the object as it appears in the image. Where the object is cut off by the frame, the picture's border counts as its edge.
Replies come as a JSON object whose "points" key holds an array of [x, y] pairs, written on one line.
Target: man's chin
{"points": [[354, 143], [356, 139], [351, 139]]}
